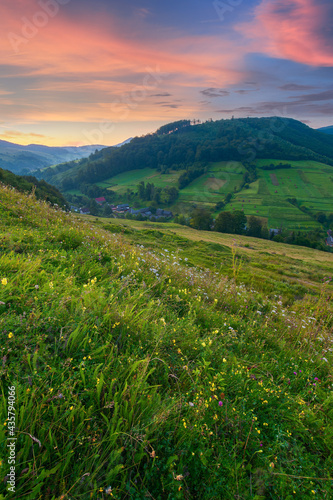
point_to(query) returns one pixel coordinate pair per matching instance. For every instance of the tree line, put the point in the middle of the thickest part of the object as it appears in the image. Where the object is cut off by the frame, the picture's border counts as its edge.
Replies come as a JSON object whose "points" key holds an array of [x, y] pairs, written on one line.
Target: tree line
{"points": [[150, 192]]}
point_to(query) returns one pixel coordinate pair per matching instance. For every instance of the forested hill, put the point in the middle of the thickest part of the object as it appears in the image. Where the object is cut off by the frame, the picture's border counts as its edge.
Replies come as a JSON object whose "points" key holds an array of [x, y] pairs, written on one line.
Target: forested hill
{"points": [[26, 184], [180, 145]]}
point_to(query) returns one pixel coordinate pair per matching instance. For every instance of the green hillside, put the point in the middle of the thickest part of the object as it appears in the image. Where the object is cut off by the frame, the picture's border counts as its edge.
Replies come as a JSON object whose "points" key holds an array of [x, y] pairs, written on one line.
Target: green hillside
{"points": [[180, 145], [155, 361], [28, 184], [209, 161]]}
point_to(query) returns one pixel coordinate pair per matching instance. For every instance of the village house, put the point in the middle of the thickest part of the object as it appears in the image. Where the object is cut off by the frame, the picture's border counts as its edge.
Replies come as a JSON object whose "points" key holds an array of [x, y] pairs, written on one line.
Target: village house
{"points": [[100, 201], [122, 208]]}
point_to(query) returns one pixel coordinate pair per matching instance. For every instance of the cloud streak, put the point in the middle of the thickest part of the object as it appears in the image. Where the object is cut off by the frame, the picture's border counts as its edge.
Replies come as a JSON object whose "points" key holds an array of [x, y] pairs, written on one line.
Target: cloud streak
{"points": [[293, 30]]}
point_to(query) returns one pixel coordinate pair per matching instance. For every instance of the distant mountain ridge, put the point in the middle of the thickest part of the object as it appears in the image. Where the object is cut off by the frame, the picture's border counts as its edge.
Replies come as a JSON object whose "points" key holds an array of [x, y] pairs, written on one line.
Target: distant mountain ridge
{"points": [[21, 159], [326, 130], [123, 143]]}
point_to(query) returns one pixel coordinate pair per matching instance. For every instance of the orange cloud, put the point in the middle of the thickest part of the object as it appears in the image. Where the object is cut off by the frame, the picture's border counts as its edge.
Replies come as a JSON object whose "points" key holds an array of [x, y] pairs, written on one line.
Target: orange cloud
{"points": [[292, 29]]}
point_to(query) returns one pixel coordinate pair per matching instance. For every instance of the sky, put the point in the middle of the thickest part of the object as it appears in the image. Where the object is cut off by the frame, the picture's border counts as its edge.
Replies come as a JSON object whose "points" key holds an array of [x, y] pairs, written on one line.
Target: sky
{"points": [[77, 72]]}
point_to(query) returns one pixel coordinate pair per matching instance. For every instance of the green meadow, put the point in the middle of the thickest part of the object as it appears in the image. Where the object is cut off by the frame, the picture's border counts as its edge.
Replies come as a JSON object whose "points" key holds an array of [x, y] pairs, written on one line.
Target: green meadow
{"points": [[309, 182], [156, 361], [129, 180]]}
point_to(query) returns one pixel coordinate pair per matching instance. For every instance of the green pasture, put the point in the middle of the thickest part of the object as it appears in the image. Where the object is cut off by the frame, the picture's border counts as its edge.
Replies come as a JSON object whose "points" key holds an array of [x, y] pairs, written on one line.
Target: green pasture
{"points": [[129, 180], [307, 181]]}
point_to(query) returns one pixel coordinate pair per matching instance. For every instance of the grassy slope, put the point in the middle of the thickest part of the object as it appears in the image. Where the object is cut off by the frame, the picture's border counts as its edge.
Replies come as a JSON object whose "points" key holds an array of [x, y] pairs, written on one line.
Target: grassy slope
{"points": [[141, 370]]}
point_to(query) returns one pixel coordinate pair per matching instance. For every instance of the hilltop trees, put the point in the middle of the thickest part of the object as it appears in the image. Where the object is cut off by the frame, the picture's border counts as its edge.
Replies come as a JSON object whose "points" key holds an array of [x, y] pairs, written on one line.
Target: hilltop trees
{"points": [[173, 127]]}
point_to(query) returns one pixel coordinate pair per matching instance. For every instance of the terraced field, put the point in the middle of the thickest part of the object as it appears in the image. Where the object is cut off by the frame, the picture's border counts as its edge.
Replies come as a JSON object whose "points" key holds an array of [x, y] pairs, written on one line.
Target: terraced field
{"points": [[308, 182]]}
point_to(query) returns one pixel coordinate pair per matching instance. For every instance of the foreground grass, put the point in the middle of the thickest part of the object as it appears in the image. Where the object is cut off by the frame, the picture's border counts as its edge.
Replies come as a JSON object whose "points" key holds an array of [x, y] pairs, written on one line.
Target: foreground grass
{"points": [[142, 374]]}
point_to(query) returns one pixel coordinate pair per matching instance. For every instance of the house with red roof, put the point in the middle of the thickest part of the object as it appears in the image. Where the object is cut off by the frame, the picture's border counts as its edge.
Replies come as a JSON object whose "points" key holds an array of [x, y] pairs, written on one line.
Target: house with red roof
{"points": [[100, 201]]}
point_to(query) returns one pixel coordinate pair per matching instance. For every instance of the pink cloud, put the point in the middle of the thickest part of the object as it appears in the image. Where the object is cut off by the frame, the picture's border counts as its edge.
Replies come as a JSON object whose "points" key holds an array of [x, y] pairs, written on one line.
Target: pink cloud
{"points": [[101, 63], [292, 29], [87, 46]]}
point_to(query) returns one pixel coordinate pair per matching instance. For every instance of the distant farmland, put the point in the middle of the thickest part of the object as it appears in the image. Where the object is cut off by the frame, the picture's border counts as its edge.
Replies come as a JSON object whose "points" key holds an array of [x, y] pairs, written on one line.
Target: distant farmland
{"points": [[307, 181]]}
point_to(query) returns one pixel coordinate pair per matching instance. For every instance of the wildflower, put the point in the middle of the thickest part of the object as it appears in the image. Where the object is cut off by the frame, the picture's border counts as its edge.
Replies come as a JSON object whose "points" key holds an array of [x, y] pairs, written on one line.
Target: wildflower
{"points": [[4, 281], [220, 403], [10, 335]]}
